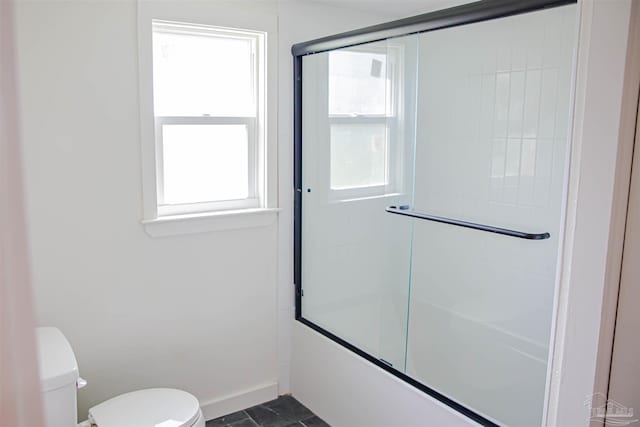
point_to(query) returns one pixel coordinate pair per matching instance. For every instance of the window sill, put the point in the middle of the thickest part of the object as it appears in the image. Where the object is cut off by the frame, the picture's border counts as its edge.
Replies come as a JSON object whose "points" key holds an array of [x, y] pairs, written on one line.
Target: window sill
{"points": [[210, 221], [366, 197]]}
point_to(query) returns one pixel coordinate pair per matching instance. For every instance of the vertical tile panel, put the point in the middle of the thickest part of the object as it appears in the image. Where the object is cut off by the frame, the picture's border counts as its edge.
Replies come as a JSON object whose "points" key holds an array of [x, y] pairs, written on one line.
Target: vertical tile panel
{"points": [[527, 172], [544, 161], [518, 39], [512, 171], [516, 104], [548, 103], [503, 58], [534, 43], [497, 169], [487, 102], [531, 104], [501, 111], [552, 47]]}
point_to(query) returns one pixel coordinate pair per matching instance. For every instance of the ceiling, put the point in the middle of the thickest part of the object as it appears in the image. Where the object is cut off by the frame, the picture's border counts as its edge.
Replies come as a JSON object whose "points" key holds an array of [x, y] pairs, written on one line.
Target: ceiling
{"points": [[395, 8]]}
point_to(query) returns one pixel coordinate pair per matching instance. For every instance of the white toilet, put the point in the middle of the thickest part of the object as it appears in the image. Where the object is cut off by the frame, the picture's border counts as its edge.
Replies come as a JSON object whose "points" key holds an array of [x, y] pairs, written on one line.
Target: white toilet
{"points": [[156, 407]]}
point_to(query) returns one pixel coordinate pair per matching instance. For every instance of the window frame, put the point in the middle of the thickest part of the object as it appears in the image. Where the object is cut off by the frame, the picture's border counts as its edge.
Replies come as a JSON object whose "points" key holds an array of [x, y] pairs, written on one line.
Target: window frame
{"points": [[256, 40], [198, 218]]}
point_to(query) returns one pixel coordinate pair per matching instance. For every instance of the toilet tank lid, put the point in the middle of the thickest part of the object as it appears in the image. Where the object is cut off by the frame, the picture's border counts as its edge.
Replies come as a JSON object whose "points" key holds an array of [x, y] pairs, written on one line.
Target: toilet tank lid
{"points": [[58, 366]]}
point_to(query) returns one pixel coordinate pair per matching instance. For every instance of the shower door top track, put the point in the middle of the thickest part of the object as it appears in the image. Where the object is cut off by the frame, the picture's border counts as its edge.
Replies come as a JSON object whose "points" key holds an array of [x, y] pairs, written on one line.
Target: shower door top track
{"points": [[451, 17]]}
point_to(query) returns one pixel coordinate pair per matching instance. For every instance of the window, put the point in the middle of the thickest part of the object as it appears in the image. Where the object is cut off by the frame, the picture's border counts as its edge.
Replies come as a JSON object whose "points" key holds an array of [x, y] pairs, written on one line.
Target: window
{"points": [[207, 116], [205, 87], [361, 113], [208, 96]]}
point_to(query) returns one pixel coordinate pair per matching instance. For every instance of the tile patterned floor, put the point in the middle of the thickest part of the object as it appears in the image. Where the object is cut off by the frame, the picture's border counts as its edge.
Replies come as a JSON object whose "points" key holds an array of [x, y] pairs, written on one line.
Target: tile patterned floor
{"points": [[285, 411]]}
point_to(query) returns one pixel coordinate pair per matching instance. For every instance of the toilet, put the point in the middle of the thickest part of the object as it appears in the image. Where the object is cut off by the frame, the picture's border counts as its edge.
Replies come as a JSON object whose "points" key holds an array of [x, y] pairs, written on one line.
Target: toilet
{"points": [[155, 407]]}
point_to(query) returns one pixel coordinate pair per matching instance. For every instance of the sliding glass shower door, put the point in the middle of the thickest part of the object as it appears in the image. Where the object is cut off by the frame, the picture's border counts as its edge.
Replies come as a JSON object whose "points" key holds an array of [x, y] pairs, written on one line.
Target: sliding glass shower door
{"points": [[359, 116], [492, 131], [433, 168]]}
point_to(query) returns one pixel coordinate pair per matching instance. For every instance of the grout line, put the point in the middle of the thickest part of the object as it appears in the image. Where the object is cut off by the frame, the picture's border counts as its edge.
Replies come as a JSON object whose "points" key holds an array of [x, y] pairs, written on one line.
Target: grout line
{"points": [[251, 418], [303, 421]]}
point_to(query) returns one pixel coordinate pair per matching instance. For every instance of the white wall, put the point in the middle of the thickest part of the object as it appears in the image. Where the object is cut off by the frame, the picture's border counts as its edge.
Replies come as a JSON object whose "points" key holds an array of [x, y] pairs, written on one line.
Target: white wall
{"points": [[197, 312]]}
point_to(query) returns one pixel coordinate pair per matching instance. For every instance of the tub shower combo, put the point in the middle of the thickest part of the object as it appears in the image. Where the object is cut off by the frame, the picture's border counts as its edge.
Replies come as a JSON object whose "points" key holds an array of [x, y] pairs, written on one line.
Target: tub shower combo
{"points": [[431, 162]]}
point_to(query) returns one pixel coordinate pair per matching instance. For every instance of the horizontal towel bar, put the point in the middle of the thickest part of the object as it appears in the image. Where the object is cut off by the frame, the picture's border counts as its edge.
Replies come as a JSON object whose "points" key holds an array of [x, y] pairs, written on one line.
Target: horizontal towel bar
{"points": [[404, 210]]}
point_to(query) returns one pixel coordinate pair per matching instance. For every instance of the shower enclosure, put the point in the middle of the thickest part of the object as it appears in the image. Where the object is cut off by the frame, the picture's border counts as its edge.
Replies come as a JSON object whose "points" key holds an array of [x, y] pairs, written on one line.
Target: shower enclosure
{"points": [[430, 174]]}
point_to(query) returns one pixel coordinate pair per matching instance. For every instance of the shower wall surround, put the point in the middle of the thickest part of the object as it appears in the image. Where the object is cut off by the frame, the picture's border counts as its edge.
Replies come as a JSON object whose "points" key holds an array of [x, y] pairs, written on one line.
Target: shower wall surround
{"points": [[465, 123]]}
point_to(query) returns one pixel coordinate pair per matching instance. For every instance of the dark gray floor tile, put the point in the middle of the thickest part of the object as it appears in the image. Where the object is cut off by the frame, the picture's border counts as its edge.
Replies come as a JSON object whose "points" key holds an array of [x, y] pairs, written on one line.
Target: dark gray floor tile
{"points": [[289, 408], [228, 419], [282, 412], [248, 422], [314, 421], [265, 416]]}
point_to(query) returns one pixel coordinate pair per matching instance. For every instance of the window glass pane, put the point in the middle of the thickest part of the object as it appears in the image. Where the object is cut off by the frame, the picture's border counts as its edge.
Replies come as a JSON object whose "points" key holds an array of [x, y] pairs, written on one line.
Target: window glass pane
{"points": [[205, 163], [357, 83], [358, 155], [195, 75]]}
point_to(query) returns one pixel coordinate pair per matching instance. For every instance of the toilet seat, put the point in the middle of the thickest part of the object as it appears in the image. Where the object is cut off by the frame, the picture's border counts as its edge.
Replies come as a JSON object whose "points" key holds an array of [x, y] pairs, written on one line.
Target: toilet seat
{"points": [[155, 407]]}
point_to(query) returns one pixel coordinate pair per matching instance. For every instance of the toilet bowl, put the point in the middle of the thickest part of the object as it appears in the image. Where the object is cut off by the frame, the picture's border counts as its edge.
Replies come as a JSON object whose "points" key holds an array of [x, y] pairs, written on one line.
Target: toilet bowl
{"points": [[155, 407]]}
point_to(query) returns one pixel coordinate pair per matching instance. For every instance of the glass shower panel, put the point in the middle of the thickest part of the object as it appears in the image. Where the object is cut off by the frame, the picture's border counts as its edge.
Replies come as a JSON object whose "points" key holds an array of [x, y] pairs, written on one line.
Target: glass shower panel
{"points": [[492, 124], [358, 127]]}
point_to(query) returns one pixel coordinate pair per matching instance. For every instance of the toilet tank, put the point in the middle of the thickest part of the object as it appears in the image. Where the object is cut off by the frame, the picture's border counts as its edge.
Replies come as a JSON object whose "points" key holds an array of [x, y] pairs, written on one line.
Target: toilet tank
{"points": [[58, 378]]}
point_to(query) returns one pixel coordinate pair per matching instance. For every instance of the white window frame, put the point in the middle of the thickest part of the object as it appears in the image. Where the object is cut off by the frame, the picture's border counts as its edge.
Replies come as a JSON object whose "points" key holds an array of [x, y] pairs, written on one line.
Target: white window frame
{"points": [[260, 208], [251, 123]]}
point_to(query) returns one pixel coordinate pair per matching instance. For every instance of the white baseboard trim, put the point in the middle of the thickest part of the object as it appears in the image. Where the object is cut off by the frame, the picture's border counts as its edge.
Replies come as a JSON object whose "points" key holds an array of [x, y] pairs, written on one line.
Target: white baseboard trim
{"points": [[239, 401]]}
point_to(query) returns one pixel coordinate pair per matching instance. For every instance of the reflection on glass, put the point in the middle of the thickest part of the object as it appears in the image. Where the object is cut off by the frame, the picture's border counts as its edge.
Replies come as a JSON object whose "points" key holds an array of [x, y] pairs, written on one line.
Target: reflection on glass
{"points": [[358, 155], [357, 83], [357, 159], [359, 109], [205, 163]]}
